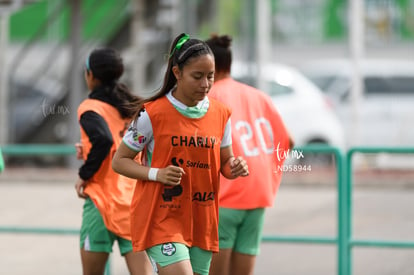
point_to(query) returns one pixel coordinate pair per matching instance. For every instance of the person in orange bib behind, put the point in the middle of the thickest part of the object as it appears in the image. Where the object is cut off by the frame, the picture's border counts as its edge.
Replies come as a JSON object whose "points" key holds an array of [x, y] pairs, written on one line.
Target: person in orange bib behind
{"points": [[186, 141], [257, 131], [103, 118]]}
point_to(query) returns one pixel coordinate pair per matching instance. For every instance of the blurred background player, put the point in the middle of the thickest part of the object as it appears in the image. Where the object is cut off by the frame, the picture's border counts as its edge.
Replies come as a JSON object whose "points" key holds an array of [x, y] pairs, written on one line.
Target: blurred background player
{"points": [[103, 118], [257, 131]]}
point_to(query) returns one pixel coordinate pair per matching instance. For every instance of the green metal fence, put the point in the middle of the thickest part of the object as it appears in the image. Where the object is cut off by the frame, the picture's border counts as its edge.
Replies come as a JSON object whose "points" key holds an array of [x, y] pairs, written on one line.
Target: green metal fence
{"points": [[349, 241], [34, 150], [339, 239], [344, 183], [38, 149], [47, 231]]}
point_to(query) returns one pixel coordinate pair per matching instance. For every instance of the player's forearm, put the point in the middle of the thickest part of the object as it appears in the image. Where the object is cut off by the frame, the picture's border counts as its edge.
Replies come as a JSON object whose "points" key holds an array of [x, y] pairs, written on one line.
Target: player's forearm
{"points": [[130, 168]]}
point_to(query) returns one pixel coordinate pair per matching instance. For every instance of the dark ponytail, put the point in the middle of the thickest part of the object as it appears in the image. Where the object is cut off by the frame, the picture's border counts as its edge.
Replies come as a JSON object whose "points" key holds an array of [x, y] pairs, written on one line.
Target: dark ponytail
{"points": [[221, 47], [106, 65], [182, 49]]}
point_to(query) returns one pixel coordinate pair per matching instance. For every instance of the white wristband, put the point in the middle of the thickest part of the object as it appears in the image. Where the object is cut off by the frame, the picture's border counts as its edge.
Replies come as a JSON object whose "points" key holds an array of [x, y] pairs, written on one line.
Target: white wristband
{"points": [[152, 174]]}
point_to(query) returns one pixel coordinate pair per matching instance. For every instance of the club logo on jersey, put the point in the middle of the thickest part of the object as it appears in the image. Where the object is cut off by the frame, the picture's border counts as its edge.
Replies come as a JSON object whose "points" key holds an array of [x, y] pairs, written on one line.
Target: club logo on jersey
{"points": [[168, 249]]}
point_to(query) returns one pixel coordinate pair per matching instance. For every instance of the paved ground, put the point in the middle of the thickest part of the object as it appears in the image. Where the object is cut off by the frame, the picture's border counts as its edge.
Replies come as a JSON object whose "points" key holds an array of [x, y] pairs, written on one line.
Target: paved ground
{"points": [[305, 206]]}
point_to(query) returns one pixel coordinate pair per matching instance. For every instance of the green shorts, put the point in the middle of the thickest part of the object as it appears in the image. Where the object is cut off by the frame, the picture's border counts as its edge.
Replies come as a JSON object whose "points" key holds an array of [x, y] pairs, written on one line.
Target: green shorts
{"points": [[170, 253], [93, 234], [241, 230]]}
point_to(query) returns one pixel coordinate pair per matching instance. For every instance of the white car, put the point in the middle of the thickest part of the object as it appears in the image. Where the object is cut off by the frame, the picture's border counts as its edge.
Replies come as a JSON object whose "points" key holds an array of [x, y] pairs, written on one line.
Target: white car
{"points": [[386, 104], [306, 111]]}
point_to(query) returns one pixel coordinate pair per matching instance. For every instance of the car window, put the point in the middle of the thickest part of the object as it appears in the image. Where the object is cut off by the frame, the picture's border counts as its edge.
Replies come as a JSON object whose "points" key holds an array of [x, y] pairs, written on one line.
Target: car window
{"points": [[323, 82], [272, 88], [376, 85], [389, 85], [335, 86], [276, 89]]}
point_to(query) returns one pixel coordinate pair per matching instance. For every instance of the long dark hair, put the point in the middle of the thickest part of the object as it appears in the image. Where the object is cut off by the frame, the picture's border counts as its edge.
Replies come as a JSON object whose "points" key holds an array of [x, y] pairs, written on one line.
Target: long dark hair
{"points": [[182, 49], [221, 47], [106, 65]]}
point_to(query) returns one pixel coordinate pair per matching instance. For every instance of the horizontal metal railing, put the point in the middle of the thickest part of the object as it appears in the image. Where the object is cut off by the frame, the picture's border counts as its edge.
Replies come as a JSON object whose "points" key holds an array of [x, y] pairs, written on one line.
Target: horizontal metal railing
{"points": [[344, 182], [36, 150]]}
